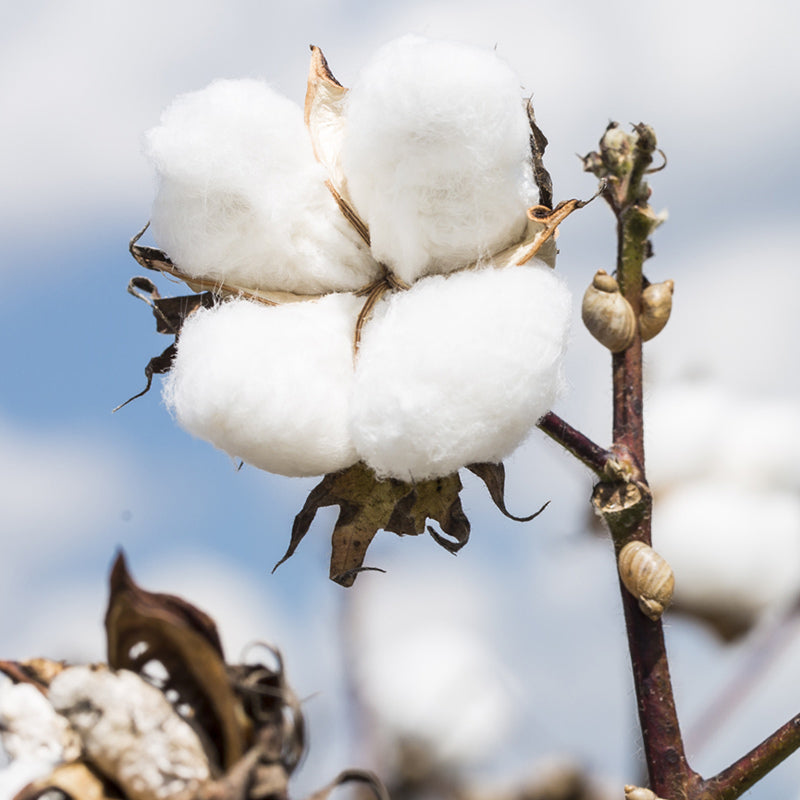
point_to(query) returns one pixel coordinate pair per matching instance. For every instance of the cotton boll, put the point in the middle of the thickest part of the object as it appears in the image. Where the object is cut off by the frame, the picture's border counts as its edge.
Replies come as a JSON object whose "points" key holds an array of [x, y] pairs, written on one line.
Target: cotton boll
{"points": [[458, 370], [131, 733], [269, 384], [241, 198], [735, 553], [682, 431], [437, 155]]}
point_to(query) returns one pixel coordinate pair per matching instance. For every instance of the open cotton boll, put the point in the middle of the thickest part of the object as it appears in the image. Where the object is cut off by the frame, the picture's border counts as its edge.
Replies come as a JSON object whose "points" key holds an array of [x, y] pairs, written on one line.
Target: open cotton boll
{"points": [[269, 384], [436, 152], [458, 369], [735, 553], [241, 198]]}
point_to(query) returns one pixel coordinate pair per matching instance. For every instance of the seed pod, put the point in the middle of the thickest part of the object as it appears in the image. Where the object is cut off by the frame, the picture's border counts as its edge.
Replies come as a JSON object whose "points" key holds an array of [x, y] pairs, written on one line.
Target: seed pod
{"points": [[647, 576], [656, 308], [607, 314]]}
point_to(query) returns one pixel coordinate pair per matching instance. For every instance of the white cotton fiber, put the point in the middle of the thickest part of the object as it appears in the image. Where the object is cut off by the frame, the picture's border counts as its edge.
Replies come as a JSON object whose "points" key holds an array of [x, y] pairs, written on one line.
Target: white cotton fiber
{"points": [[269, 384], [241, 198], [458, 369], [437, 155]]}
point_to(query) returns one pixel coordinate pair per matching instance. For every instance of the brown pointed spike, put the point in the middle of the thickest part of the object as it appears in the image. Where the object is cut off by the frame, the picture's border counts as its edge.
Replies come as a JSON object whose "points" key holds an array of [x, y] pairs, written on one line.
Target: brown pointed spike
{"points": [[144, 627]]}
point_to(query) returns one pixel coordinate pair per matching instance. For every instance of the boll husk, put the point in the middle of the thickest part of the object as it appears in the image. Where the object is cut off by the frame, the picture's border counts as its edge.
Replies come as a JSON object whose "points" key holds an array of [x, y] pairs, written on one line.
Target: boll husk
{"points": [[269, 385], [131, 733], [458, 369], [241, 199], [436, 153]]}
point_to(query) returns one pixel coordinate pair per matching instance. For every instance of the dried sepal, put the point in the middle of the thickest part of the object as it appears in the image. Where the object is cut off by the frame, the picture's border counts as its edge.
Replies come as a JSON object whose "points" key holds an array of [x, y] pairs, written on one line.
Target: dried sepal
{"points": [[494, 476], [368, 504], [324, 115], [144, 627], [157, 260]]}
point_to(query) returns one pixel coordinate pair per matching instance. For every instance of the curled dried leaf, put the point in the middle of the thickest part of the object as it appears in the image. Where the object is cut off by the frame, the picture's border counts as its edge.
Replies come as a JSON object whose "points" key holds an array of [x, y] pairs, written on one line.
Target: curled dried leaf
{"points": [[367, 505], [144, 627], [494, 476]]}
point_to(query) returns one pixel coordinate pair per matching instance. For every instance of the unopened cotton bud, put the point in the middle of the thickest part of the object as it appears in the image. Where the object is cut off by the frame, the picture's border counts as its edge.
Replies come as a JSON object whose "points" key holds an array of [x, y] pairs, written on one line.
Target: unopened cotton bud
{"points": [[269, 385], [131, 732], [458, 369], [241, 198], [437, 155]]}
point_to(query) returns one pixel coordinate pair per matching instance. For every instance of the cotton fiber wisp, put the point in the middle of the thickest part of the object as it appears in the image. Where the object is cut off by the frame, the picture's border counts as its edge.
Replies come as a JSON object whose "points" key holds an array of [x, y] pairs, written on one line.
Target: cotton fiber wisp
{"points": [[241, 198], [437, 155], [269, 384], [458, 369]]}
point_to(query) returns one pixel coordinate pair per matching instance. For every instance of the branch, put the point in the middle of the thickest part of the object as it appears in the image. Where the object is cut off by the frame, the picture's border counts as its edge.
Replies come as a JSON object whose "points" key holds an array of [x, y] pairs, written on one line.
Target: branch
{"points": [[625, 501], [749, 769], [583, 448]]}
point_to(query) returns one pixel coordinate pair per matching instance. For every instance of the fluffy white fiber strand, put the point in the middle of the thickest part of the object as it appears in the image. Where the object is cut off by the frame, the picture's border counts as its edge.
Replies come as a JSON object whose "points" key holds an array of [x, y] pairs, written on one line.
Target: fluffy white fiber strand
{"points": [[437, 155], [459, 369], [269, 385], [242, 199]]}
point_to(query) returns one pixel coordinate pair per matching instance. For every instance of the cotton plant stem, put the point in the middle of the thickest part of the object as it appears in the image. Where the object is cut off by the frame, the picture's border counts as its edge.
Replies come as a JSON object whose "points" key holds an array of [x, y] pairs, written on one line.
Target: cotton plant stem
{"points": [[624, 499], [583, 448]]}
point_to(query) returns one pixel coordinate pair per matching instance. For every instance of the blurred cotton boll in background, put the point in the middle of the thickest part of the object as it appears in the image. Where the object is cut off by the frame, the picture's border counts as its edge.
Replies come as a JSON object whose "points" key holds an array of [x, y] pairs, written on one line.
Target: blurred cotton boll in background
{"points": [[437, 155], [241, 198], [725, 477], [458, 369], [435, 683], [269, 384]]}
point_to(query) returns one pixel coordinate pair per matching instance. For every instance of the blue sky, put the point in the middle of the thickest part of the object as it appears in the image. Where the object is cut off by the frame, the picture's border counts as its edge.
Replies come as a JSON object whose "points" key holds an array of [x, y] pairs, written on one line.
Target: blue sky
{"points": [[79, 84]]}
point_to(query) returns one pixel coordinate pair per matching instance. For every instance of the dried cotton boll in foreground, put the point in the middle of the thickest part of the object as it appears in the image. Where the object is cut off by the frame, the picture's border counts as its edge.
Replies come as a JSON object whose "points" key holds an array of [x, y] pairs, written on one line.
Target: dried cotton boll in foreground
{"points": [[437, 155], [241, 198], [735, 553], [269, 384], [458, 369], [131, 732], [30, 728]]}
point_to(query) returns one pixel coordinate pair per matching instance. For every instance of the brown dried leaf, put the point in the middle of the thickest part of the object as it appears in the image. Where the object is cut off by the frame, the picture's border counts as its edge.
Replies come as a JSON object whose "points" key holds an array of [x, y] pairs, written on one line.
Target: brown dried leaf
{"points": [[538, 146], [144, 627], [367, 505], [494, 476], [77, 781]]}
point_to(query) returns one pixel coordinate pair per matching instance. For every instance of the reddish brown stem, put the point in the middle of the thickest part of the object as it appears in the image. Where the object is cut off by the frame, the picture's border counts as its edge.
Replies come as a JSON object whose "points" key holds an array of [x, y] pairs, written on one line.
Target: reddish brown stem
{"points": [[750, 768], [583, 448]]}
